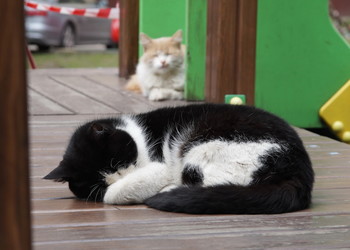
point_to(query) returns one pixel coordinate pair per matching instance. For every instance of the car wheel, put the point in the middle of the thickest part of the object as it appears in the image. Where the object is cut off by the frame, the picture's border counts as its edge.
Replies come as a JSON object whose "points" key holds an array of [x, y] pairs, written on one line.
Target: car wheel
{"points": [[43, 48], [112, 46], [68, 36]]}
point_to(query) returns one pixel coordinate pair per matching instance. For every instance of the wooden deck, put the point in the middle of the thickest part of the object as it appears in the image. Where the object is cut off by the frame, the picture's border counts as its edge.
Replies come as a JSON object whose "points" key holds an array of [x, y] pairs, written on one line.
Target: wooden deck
{"points": [[62, 99]]}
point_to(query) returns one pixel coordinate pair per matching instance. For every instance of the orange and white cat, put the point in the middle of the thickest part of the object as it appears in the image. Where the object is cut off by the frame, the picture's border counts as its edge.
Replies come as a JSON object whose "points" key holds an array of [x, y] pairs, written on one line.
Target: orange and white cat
{"points": [[160, 73]]}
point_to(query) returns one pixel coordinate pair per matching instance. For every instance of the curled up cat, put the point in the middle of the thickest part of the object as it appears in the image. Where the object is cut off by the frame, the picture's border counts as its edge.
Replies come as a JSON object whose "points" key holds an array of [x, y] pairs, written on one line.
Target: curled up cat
{"points": [[200, 159], [160, 73]]}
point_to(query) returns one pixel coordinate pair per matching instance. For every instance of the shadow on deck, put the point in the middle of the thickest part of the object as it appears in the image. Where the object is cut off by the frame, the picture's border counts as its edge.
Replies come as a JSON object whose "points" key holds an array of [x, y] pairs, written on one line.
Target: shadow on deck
{"points": [[62, 99]]}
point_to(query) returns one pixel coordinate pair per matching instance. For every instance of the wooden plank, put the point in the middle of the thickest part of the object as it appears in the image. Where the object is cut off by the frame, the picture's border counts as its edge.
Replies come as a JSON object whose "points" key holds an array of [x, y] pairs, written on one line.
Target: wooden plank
{"points": [[129, 33], [144, 104], [132, 97], [73, 71], [98, 216], [214, 242], [267, 231], [109, 96], [40, 105], [59, 192], [68, 98], [37, 123], [135, 215], [14, 191], [53, 206]]}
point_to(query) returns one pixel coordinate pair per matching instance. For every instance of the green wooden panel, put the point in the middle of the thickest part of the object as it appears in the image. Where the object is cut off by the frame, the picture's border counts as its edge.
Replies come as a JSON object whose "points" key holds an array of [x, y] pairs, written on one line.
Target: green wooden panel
{"points": [[196, 49], [160, 18], [301, 60]]}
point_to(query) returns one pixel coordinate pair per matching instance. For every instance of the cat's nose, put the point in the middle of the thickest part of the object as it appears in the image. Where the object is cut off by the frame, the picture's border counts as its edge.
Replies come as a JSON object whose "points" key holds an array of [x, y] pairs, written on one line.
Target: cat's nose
{"points": [[164, 64]]}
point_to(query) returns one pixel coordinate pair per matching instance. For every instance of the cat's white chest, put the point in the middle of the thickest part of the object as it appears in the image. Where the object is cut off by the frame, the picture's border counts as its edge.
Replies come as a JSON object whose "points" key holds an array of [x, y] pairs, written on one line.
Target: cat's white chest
{"points": [[149, 79]]}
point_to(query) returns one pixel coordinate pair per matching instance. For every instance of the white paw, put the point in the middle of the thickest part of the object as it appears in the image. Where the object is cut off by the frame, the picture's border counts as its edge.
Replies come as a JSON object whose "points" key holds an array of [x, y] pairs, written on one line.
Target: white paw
{"points": [[156, 95], [116, 195], [112, 178], [178, 87], [109, 197], [177, 95]]}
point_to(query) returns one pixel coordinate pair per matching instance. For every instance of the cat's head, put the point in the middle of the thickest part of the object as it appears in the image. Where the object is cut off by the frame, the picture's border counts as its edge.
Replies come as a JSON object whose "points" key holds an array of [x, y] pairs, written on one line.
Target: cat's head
{"points": [[162, 55], [95, 149]]}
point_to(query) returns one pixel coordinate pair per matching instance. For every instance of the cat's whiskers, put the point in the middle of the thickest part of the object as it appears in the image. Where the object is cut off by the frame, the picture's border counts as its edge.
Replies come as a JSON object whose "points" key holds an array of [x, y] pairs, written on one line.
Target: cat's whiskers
{"points": [[115, 166], [98, 191], [94, 187]]}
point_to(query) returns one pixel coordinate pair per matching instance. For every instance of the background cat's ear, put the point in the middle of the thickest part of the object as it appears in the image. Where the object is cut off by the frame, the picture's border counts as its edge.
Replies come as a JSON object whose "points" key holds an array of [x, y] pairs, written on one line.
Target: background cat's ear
{"points": [[145, 40], [58, 174], [177, 37]]}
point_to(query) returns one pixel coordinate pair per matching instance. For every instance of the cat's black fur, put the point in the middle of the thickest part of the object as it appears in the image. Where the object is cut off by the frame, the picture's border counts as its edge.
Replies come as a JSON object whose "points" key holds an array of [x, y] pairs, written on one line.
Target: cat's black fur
{"points": [[94, 147], [284, 184]]}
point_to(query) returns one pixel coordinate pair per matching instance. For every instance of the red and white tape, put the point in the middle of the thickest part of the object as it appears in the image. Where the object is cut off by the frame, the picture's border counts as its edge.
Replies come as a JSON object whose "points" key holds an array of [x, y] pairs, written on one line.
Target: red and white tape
{"points": [[111, 13]]}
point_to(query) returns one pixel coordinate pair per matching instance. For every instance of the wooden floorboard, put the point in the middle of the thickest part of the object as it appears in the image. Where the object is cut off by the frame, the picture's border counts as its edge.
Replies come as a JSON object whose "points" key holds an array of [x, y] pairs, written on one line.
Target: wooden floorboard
{"points": [[61, 100]]}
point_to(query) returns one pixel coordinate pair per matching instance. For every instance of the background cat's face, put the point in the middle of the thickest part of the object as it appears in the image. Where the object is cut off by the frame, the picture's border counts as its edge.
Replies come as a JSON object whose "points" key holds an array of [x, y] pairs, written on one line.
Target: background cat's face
{"points": [[94, 149], [164, 54]]}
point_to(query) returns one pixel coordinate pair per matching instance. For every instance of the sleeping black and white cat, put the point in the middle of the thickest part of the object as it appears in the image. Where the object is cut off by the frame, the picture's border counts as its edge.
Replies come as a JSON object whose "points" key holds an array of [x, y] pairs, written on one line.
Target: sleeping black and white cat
{"points": [[201, 159]]}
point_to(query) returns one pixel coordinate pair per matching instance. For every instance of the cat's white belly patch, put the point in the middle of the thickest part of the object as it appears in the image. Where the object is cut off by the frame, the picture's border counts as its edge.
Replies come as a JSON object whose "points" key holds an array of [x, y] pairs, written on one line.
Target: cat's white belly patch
{"points": [[229, 162]]}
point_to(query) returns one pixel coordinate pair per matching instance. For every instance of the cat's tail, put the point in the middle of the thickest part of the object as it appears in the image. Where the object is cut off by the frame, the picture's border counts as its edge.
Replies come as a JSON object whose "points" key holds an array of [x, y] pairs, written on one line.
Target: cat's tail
{"points": [[288, 196]]}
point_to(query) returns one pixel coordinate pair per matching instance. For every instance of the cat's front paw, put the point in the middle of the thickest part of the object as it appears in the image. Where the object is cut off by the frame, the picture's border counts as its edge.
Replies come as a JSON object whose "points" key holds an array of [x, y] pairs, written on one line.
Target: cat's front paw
{"points": [[177, 95], [115, 195], [110, 197], [156, 95], [119, 174], [178, 87]]}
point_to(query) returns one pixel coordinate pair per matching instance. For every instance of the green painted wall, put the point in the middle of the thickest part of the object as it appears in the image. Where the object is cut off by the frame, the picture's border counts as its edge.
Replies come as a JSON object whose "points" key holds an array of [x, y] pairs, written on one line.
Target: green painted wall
{"points": [[301, 60], [196, 26]]}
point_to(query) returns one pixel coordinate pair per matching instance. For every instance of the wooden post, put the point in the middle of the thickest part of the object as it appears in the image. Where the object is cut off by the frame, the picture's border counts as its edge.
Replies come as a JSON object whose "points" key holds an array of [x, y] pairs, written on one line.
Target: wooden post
{"points": [[129, 37], [112, 3], [14, 177], [231, 39]]}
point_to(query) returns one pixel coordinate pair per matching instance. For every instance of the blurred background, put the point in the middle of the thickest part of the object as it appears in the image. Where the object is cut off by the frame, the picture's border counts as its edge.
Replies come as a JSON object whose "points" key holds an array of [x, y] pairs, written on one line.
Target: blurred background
{"points": [[70, 41]]}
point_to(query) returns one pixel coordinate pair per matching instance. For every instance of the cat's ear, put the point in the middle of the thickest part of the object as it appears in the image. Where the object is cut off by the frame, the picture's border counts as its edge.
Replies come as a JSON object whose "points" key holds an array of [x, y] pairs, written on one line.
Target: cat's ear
{"points": [[177, 37], [145, 40], [98, 130], [60, 174]]}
